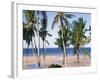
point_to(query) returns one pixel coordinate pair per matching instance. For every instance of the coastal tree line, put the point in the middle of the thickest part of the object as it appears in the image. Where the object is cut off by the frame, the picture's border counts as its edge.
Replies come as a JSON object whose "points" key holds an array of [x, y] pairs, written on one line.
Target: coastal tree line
{"points": [[74, 33]]}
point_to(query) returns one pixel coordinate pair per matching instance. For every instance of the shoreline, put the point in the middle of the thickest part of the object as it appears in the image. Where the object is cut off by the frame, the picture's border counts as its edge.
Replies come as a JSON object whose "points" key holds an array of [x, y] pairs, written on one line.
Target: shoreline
{"points": [[51, 59]]}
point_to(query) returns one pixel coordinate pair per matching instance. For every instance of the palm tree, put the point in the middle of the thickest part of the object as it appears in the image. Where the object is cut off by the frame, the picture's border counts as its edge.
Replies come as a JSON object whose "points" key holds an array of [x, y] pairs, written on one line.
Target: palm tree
{"points": [[86, 41], [39, 22], [27, 36], [44, 33], [29, 28], [66, 38], [59, 43], [33, 20], [78, 35], [38, 28], [61, 19]]}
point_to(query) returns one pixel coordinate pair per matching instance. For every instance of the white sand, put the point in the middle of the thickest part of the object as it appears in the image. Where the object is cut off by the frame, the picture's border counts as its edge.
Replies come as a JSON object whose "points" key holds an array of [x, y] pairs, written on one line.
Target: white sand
{"points": [[71, 61]]}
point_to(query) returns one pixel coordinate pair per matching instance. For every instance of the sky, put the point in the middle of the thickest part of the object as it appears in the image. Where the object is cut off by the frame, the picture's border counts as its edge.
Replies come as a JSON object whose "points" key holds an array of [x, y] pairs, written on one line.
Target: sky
{"points": [[50, 17]]}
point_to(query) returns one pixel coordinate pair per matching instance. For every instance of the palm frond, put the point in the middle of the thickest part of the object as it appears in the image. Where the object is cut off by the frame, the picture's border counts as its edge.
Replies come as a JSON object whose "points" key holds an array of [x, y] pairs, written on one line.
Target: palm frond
{"points": [[69, 15], [49, 34], [56, 19], [47, 42]]}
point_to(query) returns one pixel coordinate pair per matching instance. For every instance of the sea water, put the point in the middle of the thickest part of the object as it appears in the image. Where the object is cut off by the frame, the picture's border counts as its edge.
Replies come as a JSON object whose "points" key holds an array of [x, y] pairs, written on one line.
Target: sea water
{"points": [[54, 51]]}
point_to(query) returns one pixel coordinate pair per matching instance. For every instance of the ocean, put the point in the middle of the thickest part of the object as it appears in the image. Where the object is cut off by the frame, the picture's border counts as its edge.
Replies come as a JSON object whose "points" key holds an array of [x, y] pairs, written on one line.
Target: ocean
{"points": [[54, 51]]}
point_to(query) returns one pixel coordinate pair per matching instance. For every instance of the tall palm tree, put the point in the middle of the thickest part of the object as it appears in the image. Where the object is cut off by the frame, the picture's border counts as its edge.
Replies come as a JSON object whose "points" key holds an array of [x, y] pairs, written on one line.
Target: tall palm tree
{"points": [[86, 41], [27, 36], [62, 19], [39, 23], [44, 33], [29, 28], [66, 38], [38, 28], [78, 35]]}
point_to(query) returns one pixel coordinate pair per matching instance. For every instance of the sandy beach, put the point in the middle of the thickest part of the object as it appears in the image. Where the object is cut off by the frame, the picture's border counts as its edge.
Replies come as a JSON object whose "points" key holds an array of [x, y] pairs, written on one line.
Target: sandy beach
{"points": [[71, 61], [52, 35]]}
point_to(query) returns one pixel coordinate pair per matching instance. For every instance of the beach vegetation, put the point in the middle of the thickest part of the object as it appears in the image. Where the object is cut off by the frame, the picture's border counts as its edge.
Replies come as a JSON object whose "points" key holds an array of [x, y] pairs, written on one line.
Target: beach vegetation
{"points": [[71, 32], [62, 19], [78, 36]]}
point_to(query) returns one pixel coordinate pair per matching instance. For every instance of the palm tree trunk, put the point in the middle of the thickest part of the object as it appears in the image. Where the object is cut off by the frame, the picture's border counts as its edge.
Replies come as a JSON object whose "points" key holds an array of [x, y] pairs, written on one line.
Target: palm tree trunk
{"points": [[38, 40], [62, 55], [36, 49], [77, 56], [66, 54], [39, 53], [64, 47], [44, 53], [27, 53], [34, 54], [63, 58], [32, 48]]}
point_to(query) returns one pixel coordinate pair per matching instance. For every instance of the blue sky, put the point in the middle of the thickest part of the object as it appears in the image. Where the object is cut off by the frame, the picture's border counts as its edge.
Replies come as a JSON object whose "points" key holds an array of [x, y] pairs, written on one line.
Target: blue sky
{"points": [[86, 17]]}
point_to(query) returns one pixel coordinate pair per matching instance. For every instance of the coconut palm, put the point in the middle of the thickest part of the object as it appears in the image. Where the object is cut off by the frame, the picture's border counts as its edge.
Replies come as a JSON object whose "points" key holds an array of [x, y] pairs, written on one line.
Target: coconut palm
{"points": [[29, 28], [33, 20], [62, 19], [27, 36], [78, 35], [86, 41], [66, 38], [40, 23], [44, 33], [38, 49], [30, 22]]}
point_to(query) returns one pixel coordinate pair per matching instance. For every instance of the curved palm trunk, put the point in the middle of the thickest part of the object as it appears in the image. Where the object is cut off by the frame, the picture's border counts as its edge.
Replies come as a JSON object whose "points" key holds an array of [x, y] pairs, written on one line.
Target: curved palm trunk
{"points": [[36, 53], [64, 47]]}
